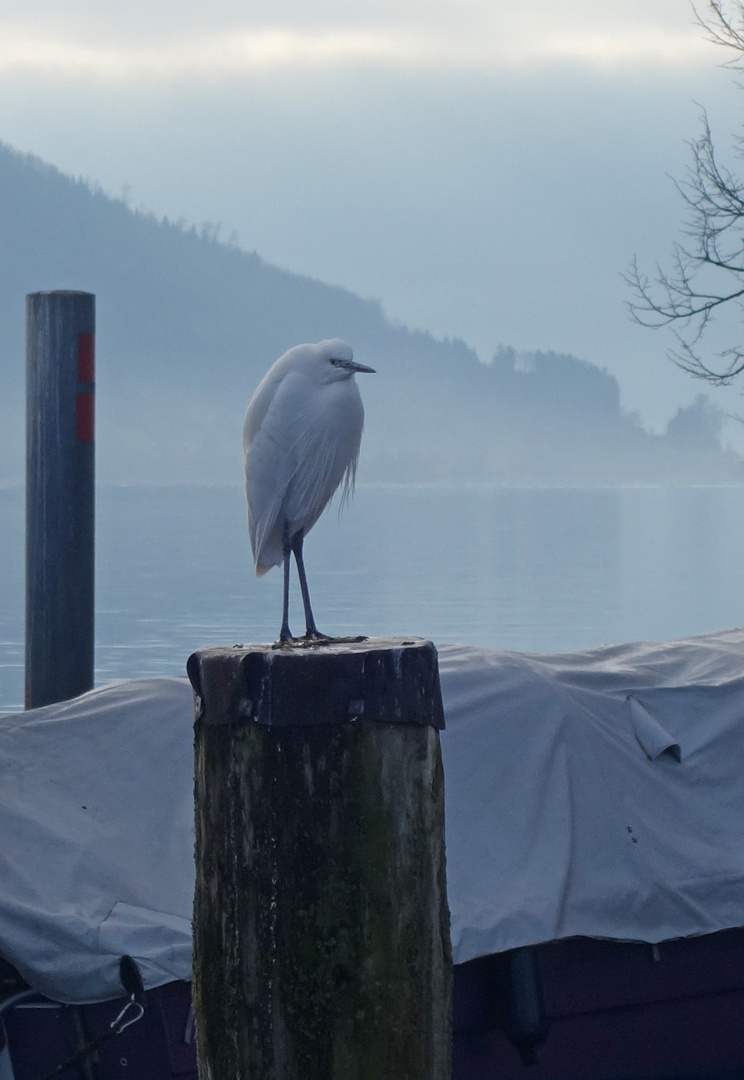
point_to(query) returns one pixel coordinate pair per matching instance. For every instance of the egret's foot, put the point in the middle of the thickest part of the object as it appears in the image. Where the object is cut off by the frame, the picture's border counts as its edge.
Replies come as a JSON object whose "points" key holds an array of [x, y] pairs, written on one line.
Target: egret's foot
{"points": [[285, 637], [287, 641], [356, 640], [315, 637]]}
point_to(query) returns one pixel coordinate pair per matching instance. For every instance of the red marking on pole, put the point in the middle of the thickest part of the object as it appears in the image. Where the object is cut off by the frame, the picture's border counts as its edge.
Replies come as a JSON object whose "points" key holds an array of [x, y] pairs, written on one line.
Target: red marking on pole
{"points": [[86, 357], [85, 415]]}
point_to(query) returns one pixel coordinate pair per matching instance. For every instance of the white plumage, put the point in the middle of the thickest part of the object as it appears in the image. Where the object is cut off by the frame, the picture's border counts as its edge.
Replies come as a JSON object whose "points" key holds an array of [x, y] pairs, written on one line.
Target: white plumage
{"points": [[301, 438]]}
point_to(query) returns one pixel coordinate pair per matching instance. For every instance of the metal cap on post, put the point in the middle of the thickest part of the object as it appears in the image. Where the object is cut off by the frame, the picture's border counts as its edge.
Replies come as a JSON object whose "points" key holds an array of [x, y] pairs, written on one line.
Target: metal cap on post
{"points": [[321, 926], [60, 479]]}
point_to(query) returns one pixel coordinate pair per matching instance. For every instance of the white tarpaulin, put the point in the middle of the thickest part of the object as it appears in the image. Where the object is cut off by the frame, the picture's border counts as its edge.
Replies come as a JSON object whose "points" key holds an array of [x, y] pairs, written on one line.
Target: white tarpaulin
{"points": [[598, 793], [97, 838]]}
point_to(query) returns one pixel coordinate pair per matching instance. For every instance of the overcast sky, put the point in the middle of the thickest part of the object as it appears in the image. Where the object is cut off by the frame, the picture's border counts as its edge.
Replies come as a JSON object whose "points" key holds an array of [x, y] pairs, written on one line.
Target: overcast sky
{"points": [[485, 169]]}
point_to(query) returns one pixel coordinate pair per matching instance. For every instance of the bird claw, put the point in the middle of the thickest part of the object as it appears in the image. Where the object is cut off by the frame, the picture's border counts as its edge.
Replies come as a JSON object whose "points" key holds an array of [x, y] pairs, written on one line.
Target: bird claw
{"points": [[315, 638], [285, 638], [285, 641]]}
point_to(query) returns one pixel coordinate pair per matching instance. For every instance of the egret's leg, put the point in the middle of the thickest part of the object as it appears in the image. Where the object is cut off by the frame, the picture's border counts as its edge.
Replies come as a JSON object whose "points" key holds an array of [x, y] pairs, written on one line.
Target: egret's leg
{"points": [[311, 630], [285, 634]]}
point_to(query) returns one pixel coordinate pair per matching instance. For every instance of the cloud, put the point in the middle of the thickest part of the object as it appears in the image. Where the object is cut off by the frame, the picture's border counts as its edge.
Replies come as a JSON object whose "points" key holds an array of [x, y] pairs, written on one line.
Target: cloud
{"points": [[480, 39], [214, 55]]}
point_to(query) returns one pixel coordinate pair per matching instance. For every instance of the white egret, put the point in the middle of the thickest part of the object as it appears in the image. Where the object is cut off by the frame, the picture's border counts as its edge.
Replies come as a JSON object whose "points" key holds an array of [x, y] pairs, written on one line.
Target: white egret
{"points": [[301, 438]]}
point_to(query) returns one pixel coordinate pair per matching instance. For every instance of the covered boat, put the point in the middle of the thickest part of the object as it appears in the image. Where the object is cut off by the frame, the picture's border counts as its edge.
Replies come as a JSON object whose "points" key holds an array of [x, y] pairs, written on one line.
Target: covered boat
{"points": [[595, 860]]}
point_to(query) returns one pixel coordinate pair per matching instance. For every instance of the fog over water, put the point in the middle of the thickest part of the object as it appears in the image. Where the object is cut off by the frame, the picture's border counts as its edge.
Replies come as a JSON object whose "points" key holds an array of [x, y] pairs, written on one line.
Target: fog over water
{"points": [[528, 569]]}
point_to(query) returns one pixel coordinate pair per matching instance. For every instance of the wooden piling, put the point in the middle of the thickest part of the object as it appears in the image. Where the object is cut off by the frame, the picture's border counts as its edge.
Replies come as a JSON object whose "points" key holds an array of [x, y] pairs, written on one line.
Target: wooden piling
{"points": [[60, 495], [321, 927]]}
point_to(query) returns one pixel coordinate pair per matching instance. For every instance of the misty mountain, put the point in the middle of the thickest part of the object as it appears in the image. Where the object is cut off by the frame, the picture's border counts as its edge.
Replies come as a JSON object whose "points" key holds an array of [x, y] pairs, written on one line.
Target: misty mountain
{"points": [[187, 326]]}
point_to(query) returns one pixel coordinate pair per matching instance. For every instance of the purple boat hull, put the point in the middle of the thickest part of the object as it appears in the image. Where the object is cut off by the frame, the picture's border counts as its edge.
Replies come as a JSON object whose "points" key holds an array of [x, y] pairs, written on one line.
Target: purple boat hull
{"points": [[603, 1010], [571, 1010]]}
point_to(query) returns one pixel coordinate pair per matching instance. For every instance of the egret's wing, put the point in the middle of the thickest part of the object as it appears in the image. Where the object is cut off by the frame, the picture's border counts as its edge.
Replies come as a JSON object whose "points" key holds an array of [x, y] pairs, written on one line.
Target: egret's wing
{"points": [[325, 452], [269, 457], [321, 466]]}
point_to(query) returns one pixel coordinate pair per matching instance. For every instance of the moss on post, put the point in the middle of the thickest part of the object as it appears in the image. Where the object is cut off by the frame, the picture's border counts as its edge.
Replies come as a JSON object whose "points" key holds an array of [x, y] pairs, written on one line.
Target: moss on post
{"points": [[321, 929]]}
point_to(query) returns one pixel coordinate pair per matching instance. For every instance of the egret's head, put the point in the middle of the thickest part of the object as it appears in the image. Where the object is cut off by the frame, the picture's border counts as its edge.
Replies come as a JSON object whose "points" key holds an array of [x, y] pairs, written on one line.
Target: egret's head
{"points": [[338, 361]]}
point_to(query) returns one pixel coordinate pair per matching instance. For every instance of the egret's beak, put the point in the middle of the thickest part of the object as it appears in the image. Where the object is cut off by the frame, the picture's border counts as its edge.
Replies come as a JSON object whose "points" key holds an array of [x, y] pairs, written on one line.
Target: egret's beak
{"points": [[353, 366]]}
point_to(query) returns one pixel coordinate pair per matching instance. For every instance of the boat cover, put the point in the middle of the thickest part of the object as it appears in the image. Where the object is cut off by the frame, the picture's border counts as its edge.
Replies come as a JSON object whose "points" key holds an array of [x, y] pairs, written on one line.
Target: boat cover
{"points": [[596, 793]]}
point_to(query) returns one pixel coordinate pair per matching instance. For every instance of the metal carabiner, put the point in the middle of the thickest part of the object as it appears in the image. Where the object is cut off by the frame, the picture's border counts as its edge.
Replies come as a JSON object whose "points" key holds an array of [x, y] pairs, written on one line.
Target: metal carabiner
{"points": [[117, 1025]]}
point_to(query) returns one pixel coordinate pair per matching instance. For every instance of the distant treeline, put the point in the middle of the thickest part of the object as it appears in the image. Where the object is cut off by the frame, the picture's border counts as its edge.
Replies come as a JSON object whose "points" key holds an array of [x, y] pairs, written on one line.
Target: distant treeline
{"points": [[187, 325]]}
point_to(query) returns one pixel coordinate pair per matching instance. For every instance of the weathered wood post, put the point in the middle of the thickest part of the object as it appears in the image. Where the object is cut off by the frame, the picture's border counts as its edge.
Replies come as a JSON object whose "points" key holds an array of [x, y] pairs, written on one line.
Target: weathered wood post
{"points": [[321, 926], [60, 486]]}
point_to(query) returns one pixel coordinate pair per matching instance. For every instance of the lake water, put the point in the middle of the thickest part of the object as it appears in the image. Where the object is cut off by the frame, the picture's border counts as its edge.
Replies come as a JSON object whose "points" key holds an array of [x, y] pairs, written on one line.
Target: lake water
{"points": [[526, 569]]}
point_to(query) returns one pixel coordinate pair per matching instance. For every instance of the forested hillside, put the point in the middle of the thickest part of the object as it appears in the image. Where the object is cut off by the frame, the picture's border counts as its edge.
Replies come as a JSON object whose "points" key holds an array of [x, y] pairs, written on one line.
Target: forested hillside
{"points": [[187, 325]]}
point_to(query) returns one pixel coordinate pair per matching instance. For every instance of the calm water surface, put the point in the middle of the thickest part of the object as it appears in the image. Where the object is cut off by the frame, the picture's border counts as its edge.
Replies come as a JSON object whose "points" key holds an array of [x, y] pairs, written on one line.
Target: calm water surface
{"points": [[525, 569]]}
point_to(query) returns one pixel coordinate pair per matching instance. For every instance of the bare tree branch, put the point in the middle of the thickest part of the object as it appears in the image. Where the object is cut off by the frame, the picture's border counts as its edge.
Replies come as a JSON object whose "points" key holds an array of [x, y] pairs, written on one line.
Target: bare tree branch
{"points": [[722, 29], [707, 271]]}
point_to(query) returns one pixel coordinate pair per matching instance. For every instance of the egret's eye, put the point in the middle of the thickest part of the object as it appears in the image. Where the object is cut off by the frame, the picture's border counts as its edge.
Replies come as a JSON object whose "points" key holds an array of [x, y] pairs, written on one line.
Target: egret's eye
{"points": [[335, 362]]}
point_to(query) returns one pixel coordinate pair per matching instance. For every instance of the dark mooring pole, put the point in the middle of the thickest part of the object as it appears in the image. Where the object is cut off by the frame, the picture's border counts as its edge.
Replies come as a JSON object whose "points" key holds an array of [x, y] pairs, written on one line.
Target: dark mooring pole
{"points": [[321, 927], [60, 329]]}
